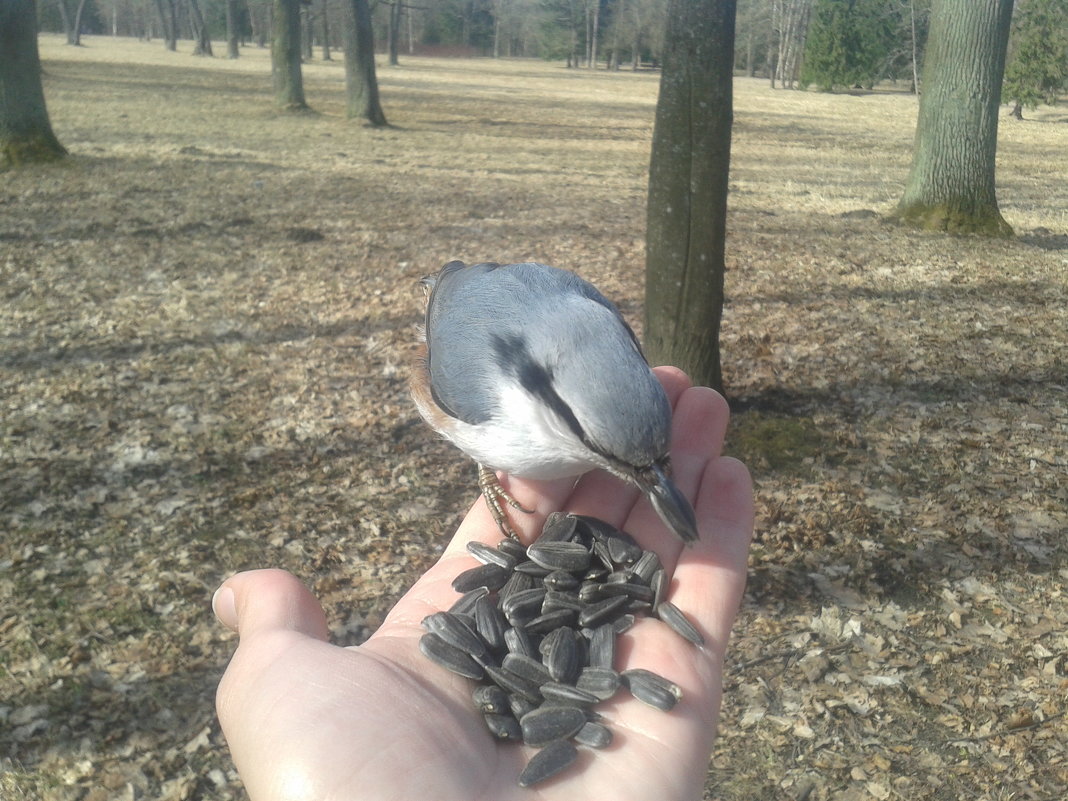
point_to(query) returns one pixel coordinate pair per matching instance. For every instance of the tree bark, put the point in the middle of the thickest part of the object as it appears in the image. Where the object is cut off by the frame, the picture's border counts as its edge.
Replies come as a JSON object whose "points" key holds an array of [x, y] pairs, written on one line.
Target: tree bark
{"points": [[168, 23], [326, 30], [232, 50], [951, 183], [285, 56], [393, 32], [361, 82], [201, 37], [687, 204], [25, 131]]}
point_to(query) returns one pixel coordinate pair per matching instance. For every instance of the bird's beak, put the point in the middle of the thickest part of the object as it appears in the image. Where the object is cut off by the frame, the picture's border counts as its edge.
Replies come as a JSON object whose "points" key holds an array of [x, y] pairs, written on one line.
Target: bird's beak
{"points": [[669, 502]]}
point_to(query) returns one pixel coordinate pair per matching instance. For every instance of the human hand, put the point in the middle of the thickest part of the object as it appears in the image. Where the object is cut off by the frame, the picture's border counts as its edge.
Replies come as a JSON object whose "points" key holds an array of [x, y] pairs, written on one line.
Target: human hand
{"points": [[309, 720]]}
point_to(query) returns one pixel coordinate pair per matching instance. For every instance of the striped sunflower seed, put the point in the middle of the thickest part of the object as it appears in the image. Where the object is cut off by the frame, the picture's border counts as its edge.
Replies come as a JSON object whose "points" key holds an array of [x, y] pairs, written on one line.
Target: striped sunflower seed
{"points": [[594, 735], [548, 723], [603, 611], [455, 632], [488, 555], [562, 660], [548, 762], [449, 656], [572, 556], [490, 623], [503, 727], [559, 527], [651, 689], [490, 576], [673, 616], [566, 694], [491, 699], [603, 646], [526, 667], [598, 681]]}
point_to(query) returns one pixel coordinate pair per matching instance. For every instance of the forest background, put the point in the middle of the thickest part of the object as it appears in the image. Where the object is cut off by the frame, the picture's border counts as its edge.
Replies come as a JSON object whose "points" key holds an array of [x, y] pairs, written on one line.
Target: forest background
{"points": [[207, 314]]}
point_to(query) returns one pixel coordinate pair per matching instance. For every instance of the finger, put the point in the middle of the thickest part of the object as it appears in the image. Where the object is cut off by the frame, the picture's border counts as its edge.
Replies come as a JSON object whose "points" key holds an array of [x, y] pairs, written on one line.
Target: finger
{"points": [[710, 578], [259, 601]]}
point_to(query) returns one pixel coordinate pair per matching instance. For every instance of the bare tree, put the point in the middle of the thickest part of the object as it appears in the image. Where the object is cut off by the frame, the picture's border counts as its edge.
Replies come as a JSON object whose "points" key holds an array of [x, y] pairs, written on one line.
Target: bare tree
{"points": [[687, 205], [168, 17], [25, 130], [232, 50], [361, 82], [789, 21], [285, 56], [201, 35], [951, 184]]}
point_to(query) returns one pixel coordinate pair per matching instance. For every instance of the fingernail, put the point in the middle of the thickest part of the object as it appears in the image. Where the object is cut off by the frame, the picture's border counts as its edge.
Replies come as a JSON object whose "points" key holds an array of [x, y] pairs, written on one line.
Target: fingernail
{"points": [[224, 606]]}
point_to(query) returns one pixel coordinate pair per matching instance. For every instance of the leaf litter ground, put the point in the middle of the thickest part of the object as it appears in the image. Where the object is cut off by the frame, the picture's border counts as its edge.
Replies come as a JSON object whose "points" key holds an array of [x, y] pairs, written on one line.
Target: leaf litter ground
{"points": [[207, 315]]}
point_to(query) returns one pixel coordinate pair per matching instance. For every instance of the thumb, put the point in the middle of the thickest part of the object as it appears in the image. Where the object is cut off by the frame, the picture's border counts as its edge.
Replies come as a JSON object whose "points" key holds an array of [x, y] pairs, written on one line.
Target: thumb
{"points": [[261, 601]]}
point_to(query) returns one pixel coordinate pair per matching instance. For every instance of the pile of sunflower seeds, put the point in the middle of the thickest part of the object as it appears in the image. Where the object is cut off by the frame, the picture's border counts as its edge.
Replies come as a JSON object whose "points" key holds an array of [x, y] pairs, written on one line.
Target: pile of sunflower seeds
{"points": [[537, 626]]}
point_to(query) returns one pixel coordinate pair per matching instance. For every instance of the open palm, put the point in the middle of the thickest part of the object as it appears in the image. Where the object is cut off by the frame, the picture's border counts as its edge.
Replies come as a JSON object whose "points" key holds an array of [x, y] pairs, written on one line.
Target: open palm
{"points": [[309, 720]]}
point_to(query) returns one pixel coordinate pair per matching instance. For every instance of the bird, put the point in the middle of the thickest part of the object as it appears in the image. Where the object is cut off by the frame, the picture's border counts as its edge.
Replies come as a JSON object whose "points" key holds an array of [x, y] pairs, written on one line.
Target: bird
{"points": [[531, 371]]}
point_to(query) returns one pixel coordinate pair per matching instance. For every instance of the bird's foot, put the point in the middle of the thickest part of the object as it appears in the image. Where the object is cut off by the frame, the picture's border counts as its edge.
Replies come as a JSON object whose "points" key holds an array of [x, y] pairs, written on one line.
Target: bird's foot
{"points": [[494, 493]]}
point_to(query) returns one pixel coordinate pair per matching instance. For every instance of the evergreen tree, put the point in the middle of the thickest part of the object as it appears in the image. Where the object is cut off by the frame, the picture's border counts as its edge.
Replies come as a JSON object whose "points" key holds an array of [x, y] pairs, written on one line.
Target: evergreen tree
{"points": [[849, 42], [1038, 63]]}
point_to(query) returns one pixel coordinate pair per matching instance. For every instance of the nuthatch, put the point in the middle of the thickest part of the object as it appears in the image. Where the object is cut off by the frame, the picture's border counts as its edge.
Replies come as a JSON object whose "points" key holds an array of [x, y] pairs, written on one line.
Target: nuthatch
{"points": [[529, 370]]}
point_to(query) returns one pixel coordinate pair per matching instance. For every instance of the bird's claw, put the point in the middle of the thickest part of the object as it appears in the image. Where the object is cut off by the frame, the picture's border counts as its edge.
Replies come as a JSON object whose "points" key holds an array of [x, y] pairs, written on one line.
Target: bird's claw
{"points": [[494, 493]]}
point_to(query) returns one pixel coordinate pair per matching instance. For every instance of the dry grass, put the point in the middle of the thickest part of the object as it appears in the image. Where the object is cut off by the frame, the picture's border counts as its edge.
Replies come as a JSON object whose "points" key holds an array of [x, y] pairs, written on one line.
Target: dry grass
{"points": [[206, 316]]}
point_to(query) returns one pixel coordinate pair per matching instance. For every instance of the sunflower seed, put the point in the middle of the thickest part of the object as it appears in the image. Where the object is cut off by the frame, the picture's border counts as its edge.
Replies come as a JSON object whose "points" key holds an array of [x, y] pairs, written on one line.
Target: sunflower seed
{"points": [[455, 632], [490, 623], [603, 646], [518, 582], [521, 705], [566, 694], [673, 616], [601, 682], [555, 599], [558, 528], [623, 549], [465, 604], [637, 592], [511, 683], [648, 563], [561, 580], [562, 660], [573, 556], [524, 603], [603, 611], [489, 698], [548, 723], [622, 623], [503, 727], [650, 688], [488, 555], [551, 620], [449, 656], [526, 667], [533, 569], [548, 762], [491, 576], [517, 641], [512, 548], [659, 584], [594, 735]]}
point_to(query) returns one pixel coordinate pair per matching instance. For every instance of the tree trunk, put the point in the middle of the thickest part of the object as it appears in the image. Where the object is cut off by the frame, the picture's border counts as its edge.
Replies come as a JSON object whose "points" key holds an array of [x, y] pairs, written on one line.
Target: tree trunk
{"points": [[687, 205], [75, 35], [25, 131], [201, 37], [393, 32], [232, 50], [306, 33], [168, 23], [285, 56], [951, 184], [361, 83], [326, 31]]}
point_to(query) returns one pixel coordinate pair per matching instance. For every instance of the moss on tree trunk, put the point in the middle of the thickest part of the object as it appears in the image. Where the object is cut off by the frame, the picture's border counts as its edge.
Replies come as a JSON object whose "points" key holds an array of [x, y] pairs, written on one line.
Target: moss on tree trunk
{"points": [[951, 184], [25, 131]]}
